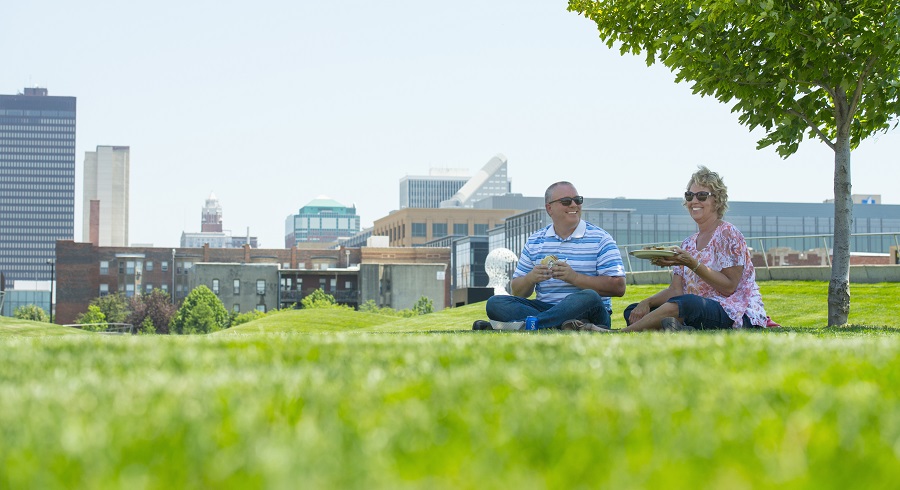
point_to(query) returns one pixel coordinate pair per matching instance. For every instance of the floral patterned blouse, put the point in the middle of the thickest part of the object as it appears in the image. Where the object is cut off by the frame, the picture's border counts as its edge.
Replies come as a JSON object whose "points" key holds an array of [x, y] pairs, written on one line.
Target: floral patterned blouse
{"points": [[726, 248]]}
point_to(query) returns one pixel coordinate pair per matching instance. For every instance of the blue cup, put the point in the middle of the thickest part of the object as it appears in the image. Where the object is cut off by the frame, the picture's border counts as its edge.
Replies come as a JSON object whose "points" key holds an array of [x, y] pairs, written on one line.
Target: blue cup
{"points": [[531, 323]]}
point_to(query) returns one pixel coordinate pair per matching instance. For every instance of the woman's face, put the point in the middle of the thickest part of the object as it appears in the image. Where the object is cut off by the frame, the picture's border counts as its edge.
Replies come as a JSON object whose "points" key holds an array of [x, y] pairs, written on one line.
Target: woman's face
{"points": [[701, 210]]}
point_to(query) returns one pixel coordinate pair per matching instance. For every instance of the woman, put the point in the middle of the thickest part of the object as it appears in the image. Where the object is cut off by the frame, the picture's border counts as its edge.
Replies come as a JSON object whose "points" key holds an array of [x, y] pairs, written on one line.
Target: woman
{"points": [[713, 283]]}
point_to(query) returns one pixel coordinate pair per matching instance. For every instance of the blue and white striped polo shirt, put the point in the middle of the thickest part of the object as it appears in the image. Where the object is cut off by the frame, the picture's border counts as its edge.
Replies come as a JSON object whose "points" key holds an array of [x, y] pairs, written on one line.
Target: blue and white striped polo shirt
{"points": [[590, 250]]}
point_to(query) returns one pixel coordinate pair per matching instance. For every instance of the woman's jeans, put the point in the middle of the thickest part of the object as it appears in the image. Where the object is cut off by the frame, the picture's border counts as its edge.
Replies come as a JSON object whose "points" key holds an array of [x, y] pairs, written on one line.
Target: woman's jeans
{"points": [[586, 305]]}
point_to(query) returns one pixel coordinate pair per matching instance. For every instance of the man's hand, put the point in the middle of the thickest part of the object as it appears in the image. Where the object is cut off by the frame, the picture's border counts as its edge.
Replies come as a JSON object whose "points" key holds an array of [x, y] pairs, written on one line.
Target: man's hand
{"points": [[540, 273], [564, 272]]}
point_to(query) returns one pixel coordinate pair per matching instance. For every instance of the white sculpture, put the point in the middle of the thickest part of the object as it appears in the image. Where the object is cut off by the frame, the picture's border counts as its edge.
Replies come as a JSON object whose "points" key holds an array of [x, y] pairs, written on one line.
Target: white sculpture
{"points": [[497, 266]]}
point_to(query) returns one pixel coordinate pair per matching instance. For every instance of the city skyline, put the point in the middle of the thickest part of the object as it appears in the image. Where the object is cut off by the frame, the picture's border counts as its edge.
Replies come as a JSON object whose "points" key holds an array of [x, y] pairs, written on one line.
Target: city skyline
{"points": [[270, 111]]}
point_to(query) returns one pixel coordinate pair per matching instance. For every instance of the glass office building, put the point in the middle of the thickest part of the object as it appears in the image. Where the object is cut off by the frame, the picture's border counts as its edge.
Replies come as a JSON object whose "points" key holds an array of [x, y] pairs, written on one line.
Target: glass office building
{"points": [[37, 181]]}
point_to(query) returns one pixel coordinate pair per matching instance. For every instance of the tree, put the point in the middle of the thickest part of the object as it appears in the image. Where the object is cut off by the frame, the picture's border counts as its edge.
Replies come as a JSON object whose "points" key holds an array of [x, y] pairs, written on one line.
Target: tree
{"points": [[113, 306], [93, 320], [156, 307], [31, 312], [423, 306], [821, 69], [201, 312]]}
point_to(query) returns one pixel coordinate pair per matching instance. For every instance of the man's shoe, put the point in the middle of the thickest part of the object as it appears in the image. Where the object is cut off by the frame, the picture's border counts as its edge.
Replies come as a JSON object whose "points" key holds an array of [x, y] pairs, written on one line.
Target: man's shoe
{"points": [[482, 325], [671, 324], [581, 326]]}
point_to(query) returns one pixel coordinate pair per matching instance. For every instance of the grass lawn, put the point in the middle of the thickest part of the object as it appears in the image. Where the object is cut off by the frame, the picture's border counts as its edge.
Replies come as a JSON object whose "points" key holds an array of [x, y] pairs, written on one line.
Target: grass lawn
{"points": [[332, 399]]}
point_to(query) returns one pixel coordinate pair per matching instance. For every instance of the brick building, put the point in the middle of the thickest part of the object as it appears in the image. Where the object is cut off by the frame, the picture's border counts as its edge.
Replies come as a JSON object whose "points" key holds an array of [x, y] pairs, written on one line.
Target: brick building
{"points": [[85, 271]]}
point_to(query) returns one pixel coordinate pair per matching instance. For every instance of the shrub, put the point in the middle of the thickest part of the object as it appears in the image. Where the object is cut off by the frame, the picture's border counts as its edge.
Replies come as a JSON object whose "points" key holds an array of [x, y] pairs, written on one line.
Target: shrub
{"points": [[31, 312], [92, 320], [156, 307], [249, 316], [320, 299], [423, 306], [113, 306]]}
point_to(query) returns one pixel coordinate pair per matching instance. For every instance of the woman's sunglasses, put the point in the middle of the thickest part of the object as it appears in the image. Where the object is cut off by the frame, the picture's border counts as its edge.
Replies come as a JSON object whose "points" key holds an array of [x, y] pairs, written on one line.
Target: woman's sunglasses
{"points": [[567, 201], [701, 196]]}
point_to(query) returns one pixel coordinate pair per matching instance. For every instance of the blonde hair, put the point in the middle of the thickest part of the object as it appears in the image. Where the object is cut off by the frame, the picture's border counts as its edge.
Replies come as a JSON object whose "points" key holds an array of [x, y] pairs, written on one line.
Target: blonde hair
{"points": [[707, 178]]}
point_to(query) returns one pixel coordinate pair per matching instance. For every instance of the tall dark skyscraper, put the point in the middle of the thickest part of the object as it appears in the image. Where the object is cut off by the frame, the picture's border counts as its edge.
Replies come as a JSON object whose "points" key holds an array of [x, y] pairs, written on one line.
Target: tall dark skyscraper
{"points": [[37, 181]]}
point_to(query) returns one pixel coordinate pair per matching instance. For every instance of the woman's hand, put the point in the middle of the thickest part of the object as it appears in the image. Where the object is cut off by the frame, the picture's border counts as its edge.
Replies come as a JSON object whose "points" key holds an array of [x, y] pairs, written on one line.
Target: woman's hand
{"points": [[681, 257], [639, 311]]}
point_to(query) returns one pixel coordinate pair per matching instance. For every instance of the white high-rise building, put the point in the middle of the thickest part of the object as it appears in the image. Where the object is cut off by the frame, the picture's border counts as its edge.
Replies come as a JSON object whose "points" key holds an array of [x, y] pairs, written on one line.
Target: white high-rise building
{"points": [[105, 203]]}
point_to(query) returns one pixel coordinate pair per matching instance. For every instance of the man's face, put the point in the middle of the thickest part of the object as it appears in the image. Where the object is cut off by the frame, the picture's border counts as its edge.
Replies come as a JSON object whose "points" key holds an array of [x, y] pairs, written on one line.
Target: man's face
{"points": [[564, 215]]}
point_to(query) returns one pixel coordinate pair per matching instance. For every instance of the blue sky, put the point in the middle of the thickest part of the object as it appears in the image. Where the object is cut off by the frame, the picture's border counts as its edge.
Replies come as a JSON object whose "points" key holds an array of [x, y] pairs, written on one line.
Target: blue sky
{"points": [[274, 103]]}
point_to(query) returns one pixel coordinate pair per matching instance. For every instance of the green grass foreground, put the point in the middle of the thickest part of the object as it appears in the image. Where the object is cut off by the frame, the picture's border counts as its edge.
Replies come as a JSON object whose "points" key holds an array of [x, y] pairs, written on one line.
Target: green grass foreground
{"points": [[346, 400]]}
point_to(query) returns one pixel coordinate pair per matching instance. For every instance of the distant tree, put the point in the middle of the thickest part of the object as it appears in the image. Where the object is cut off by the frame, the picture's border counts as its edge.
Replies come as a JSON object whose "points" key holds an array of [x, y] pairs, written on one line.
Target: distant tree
{"points": [[156, 307], [113, 306], [320, 299], [147, 326], [826, 69], [423, 306], [370, 306], [201, 312], [93, 319], [31, 312]]}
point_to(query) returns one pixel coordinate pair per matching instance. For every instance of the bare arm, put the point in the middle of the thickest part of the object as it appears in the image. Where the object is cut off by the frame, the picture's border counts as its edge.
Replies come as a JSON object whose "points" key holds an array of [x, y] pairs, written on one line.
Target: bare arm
{"points": [[725, 281]]}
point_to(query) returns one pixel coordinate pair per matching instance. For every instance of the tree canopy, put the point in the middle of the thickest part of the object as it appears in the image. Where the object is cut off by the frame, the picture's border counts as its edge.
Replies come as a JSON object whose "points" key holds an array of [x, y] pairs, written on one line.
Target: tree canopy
{"points": [[201, 312], [821, 69]]}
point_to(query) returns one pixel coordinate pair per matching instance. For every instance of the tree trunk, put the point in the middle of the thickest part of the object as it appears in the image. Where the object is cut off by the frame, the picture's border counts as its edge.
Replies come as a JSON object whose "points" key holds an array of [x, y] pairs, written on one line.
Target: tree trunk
{"points": [[839, 287]]}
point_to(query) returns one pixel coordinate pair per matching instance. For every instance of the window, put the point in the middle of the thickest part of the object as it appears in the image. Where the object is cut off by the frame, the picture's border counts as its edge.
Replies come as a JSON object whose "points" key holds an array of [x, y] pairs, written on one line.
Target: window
{"points": [[481, 230], [164, 266], [129, 290], [261, 308], [438, 230], [261, 286], [215, 286], [237, 287], [121, 267], [348, 285], [322, 283], [165, 288], [333, 284], [419, 230], [104, 289], [149, 288], [149, 266], [129, 267], [460, 229], [236, 308], [104, 267]]}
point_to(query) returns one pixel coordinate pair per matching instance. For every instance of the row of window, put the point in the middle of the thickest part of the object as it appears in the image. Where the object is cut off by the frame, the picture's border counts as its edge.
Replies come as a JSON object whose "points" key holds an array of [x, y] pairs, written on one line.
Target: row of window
{"points": [[12, 131], [68, 115], [26, 159], [49, 146], [130, 266], [439, 230], [129, 289], [236, 286], [40, 129]]}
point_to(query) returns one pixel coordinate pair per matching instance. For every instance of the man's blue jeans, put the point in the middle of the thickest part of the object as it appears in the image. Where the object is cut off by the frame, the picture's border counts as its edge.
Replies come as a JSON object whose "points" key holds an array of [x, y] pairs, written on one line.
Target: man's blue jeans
{"points": [[586, 305]]}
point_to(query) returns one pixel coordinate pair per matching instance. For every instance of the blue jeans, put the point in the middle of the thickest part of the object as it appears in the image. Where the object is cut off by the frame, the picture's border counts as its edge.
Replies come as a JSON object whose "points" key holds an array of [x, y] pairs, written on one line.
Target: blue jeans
{"points": [[584, 305], [698, 312]]}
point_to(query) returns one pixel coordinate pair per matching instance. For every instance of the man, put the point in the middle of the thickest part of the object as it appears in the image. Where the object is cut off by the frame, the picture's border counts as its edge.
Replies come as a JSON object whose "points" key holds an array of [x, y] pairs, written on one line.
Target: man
{"points": [[573, 289]]}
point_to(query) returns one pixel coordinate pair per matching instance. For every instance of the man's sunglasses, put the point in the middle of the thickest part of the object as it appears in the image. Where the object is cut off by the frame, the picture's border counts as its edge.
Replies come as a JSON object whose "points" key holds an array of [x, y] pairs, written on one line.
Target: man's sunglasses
{"points": [[567, 201], [701, 196]]}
